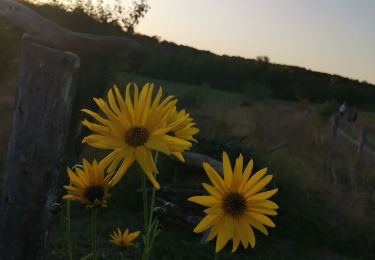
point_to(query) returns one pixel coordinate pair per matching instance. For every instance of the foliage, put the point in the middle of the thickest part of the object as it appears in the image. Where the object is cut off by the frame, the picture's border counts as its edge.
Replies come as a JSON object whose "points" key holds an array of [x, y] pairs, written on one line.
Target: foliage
{"points": [[184, 64], [326, 109], [255, 91], [114, 13], [166, 60]]}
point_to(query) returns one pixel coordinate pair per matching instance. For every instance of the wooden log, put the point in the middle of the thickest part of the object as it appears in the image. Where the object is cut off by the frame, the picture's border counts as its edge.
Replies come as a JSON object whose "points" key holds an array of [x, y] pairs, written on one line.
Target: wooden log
{"points": [[197, 159], [49, 33], [34, 164]]}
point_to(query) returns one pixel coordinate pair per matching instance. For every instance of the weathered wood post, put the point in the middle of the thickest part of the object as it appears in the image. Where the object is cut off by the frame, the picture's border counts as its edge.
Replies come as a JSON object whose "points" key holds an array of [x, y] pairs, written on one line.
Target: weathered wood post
{"points": [[35, 157], [362, 141]]}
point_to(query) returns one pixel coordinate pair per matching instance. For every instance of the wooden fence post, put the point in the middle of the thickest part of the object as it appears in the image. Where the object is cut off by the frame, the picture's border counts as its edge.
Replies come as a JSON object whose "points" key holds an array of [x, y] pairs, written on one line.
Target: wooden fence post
{"points": [[34, 164], [362, 141]]}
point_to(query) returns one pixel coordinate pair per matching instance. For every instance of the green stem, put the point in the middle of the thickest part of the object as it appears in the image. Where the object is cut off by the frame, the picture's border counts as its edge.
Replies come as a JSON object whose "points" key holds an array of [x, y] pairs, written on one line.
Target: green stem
{"points": [[150, 229], [68, 232], [93, 232], [145, 204], [153, 192], [122, 254], [216, 255]]}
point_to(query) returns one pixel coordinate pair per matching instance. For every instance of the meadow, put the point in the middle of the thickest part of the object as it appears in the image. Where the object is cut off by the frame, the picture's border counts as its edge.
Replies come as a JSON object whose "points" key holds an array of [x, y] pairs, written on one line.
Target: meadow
{"points": [[326, 192]]}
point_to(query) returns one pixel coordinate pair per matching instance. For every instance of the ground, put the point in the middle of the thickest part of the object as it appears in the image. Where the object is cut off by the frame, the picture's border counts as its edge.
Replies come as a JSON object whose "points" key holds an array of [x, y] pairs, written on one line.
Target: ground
{"points": [[326, 191]]}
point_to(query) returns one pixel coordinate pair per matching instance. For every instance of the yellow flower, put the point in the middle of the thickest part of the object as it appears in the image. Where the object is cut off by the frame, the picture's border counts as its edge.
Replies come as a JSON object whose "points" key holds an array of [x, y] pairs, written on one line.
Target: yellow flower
{"points": [[88, 185], [235, 204], [184, 130], [133, 128], [123, 239]]}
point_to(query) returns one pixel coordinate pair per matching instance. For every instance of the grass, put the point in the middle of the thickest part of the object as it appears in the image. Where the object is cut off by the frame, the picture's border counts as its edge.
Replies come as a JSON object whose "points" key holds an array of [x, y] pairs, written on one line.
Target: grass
{"points": [[203, 93], [177, 240], [326, 196]]}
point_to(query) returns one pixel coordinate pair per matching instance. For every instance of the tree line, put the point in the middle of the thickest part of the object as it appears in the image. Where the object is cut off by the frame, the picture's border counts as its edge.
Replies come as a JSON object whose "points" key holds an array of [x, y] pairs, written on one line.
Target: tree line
{"points": [[169, 61]]}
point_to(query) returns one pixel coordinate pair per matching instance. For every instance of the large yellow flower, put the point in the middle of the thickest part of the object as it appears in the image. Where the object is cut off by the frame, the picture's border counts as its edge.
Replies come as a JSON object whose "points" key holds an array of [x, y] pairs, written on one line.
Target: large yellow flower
{"points": [[236, 205], [123, 239], [185, 129], [132, 128], [88, 185]]}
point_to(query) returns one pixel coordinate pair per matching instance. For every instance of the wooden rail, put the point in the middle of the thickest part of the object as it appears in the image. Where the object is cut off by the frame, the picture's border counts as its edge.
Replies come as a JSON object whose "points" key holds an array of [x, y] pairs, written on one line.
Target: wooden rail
{"points": [[361, 142]]}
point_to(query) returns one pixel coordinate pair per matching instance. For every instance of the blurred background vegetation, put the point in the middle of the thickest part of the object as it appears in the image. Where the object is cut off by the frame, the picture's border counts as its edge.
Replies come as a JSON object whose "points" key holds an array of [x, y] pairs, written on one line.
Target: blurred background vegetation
{"points": [[277, 114]]}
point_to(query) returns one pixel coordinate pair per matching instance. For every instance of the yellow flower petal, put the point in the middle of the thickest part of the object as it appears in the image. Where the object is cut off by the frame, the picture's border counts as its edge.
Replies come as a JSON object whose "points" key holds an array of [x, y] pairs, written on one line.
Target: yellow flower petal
{"points": [[229, 226], [265, 203], [208, 201], [205, 223], [213, 191], [227, 169], [121, 171], [222, 239], [262, 196], [179, 156], [236, 241], [260, 185], [254, 179], [257, 225], [152, 179], [246, 174], [248, 231], [262, 219], [157, 144], [214, 177], [95, 116], [141, 154]]}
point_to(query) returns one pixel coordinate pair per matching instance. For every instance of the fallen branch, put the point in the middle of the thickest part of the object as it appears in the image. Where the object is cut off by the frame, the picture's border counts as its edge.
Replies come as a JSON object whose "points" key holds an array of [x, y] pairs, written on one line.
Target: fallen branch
{"points": [[46, 32], [197, 159]]}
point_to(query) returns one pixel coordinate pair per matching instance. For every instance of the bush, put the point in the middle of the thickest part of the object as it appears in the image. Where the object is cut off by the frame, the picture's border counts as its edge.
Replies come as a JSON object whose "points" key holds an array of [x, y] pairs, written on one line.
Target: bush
{"points": [[325, 110]]}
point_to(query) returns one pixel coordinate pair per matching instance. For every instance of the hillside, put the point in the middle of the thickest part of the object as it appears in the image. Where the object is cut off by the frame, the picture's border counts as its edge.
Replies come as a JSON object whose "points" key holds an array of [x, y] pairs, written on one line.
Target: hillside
{"points": [[167, 60]]}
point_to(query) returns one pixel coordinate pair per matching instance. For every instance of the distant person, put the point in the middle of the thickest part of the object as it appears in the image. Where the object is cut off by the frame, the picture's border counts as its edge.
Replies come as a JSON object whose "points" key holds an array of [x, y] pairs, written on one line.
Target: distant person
{"points": [[343, 109]]}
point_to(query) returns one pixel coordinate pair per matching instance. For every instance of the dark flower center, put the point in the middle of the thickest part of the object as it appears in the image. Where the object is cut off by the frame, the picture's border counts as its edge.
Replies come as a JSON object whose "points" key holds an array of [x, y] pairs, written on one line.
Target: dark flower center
{"points": [[234, 204], [93, 193], [136, 136]]}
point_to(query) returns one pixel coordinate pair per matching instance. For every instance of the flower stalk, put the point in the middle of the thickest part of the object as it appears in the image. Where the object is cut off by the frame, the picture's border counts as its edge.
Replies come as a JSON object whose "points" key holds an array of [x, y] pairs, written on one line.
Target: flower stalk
{"points": [[93, 232], [122, 254], [151, 223]]}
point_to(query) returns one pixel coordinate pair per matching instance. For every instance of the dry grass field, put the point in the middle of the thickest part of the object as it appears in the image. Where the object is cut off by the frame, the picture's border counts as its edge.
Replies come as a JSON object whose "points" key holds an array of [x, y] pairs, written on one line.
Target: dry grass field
{"points": [[327, 196]]}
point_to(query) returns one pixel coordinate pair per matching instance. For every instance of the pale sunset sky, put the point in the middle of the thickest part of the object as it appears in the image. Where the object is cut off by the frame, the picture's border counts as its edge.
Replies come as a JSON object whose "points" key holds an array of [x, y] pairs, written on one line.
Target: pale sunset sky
{"points": [[333, 36]]}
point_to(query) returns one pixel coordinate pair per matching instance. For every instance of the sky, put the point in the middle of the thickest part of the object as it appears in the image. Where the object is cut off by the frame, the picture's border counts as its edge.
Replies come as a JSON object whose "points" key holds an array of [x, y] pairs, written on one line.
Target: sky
{"points": [[333, 36]]}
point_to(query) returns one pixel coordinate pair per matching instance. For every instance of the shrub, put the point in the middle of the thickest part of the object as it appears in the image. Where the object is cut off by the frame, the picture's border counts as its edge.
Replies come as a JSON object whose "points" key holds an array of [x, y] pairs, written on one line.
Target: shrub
{"points": [[326, 109]]}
